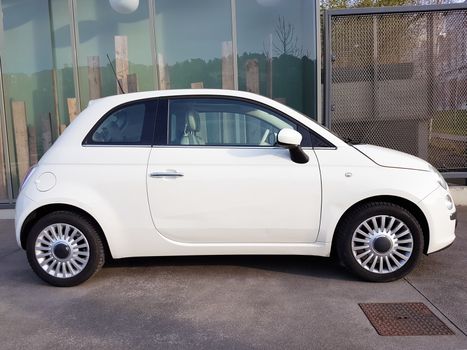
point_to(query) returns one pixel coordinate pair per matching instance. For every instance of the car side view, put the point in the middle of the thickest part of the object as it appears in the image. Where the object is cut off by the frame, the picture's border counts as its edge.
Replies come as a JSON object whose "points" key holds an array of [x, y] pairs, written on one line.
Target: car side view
{"points": [[213, 172]]}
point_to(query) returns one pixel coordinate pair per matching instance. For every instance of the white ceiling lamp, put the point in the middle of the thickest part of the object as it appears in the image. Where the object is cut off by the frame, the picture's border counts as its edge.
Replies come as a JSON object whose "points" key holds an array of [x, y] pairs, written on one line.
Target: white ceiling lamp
{"points": [[124, 6]]}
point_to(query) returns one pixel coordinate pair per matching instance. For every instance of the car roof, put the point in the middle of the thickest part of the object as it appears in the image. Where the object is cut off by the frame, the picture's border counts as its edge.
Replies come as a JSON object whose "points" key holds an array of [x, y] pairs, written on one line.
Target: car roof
{"points": [[179, 92]]}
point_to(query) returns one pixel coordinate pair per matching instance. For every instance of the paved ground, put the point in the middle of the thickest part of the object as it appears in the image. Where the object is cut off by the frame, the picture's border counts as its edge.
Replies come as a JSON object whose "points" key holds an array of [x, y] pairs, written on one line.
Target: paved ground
{"points": [[223, 302]]}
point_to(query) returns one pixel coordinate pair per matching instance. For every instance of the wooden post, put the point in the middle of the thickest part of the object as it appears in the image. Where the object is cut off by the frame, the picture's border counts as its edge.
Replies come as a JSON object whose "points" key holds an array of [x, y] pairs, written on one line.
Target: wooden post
{"points": [[2, 168], [132, 80], [72, 108], [121, 62], [164, 78], [94, 77], [32, 140], [227, 66], [269, 68], [197, 85], [56, 109], [252, 76], [46, 132], [228, 122], [18, 111]]}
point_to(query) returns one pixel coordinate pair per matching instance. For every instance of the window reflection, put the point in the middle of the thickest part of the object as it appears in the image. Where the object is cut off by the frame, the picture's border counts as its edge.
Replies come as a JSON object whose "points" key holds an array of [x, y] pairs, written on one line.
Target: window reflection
{"points": [[277, 51], [108, 41], [194, 44], [30, 78]]}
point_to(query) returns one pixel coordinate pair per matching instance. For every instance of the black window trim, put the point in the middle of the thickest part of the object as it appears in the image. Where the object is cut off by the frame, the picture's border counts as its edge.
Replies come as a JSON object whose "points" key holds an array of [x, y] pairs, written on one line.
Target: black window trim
{"points": [[153, 104], [162, 121]]}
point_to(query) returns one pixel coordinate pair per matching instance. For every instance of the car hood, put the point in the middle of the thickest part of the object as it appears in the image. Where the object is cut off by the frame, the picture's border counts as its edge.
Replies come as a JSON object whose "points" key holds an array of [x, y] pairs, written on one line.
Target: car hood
{"points": [[392, 158]]}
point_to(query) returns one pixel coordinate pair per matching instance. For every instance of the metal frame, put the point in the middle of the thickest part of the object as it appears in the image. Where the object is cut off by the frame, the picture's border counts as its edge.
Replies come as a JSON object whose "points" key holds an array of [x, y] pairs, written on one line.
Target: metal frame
{"points": [[233, 11], [327, 67], [396, 9], [153, 38], [328, 14], [74, 34], [328, 58], [56, 125], [3, 126], [319, 95]]}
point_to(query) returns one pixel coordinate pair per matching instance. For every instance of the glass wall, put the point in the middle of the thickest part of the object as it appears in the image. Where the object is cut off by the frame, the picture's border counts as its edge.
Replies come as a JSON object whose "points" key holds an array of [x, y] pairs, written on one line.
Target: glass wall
{"points": [[50, 47], [276, 42], [63, 82], [194, 44], [30, 80], [108, 41]]}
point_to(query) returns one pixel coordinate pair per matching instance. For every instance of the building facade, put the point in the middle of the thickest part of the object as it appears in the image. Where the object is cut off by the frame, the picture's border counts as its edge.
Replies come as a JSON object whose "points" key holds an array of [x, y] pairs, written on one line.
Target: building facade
{"points": [[57, 55]]}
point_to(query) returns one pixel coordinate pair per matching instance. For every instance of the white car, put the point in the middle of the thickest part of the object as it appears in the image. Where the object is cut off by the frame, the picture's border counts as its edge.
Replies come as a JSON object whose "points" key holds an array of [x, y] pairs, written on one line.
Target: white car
{"points": [[206, 172]]}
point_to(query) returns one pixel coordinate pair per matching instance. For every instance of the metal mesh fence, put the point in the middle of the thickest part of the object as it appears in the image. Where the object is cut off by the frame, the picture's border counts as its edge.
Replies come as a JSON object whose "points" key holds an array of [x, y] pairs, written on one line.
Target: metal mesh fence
{"points": [[399, 80]]}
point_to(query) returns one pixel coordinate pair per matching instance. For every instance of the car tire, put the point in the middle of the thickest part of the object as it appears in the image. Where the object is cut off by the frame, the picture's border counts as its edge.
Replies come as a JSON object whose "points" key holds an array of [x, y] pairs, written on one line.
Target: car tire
{"points": [[379, 241], [64, 248]]}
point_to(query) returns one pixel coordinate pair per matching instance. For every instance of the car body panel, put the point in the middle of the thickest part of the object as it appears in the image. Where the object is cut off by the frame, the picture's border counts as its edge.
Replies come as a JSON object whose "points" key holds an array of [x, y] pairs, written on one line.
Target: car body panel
{"points": [[360, 179], [234, 195], [392, 158], [110, 183], [442, 226]]}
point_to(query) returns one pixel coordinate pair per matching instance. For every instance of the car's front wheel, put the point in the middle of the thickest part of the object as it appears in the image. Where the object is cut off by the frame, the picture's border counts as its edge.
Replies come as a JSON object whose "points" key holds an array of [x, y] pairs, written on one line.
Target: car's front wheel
{"points": [[379, 242], [64, 249]]}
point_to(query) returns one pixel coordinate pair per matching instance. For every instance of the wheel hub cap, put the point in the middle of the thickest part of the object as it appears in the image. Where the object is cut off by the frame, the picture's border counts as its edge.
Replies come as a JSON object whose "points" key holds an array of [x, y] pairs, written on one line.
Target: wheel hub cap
{"points": [[62, 250], [382, 244]]}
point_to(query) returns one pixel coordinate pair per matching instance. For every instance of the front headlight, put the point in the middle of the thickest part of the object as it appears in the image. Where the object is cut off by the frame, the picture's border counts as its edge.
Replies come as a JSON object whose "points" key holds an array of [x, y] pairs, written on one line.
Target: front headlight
{"points": [[449, 202], [439, 178]]}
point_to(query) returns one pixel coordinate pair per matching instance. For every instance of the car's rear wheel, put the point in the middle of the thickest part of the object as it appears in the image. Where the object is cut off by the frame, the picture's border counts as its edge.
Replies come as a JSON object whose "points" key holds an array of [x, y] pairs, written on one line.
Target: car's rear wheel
{"points": [[379, 242], [64, 249]]}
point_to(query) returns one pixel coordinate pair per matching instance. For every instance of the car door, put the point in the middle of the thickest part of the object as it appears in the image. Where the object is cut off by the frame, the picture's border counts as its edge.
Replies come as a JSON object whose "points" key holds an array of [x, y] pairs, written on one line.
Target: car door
{"points": [[217, 176]]}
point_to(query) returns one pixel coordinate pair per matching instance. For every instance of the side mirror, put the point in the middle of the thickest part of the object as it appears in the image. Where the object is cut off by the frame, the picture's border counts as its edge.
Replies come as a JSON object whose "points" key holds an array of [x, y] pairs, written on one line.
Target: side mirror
{"points": [[291, 139]]}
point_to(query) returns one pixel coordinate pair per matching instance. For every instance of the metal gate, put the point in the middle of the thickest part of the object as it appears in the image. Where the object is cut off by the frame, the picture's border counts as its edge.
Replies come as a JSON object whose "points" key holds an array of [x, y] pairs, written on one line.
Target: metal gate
{"points": [[397, 77]]}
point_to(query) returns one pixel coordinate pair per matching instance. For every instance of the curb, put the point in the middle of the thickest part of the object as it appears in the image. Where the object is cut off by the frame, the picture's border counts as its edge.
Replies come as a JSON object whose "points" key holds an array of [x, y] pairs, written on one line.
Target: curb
{"points": [[7, 214], [459, 194]]}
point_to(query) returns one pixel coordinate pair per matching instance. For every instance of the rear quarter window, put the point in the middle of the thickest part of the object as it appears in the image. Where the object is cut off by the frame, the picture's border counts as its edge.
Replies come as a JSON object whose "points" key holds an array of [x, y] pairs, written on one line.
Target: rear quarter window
{"points": [[131, 124]]}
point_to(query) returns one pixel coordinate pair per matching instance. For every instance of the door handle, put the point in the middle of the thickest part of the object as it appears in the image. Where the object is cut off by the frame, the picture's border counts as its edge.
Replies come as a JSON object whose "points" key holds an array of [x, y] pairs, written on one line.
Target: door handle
{"points": [[166, 174]]}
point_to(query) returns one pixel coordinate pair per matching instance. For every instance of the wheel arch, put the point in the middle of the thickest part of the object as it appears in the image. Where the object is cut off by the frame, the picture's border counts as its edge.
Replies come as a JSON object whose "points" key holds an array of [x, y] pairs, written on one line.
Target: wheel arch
{"points": [[35, 215], [413, 208]]}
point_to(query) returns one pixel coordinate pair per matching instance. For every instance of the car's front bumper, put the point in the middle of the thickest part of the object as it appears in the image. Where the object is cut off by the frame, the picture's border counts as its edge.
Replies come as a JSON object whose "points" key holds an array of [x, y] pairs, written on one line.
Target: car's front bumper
{"points": [[441, 220]]}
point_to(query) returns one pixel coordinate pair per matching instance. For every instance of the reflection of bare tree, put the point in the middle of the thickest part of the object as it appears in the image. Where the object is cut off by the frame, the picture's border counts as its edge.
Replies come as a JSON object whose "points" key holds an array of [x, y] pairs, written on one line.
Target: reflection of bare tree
{"points": [[286, 42]]}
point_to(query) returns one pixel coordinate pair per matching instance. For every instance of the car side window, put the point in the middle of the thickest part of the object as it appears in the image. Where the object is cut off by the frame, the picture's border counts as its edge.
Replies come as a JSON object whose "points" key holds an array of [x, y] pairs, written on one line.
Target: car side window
{"points": [[223, 122], [129, 125]]}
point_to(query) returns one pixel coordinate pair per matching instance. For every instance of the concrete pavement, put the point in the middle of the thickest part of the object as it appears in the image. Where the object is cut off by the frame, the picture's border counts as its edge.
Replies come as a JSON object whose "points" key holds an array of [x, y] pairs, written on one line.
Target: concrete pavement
{"points": [[254, 302]]}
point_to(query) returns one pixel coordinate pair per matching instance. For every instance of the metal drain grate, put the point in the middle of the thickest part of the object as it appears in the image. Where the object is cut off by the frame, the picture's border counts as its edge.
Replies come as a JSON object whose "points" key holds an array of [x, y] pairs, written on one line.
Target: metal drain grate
{"points": [[399, 319]]}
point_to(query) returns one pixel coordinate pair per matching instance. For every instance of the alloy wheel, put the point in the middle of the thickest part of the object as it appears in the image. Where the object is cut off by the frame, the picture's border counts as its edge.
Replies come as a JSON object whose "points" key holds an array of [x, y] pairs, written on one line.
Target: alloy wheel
{"points": [[382, 244], [62, 250]]}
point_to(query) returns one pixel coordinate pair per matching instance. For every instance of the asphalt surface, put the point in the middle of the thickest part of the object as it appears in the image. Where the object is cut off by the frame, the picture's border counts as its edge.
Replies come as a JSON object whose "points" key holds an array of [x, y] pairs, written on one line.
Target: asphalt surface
{"points": [[258, 302]]}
